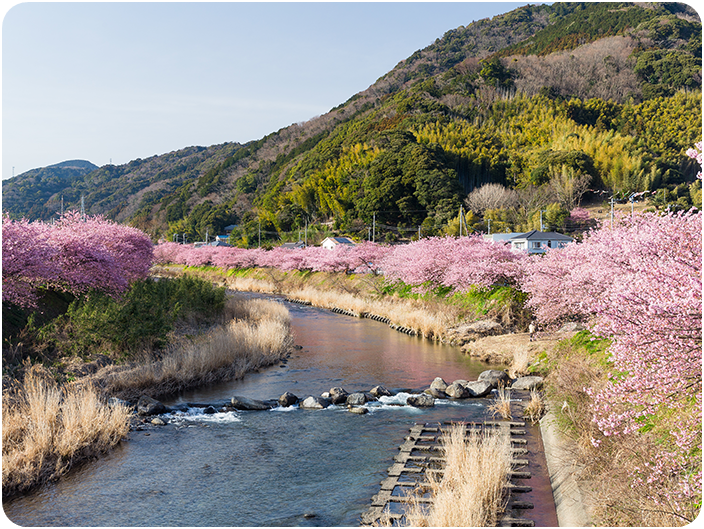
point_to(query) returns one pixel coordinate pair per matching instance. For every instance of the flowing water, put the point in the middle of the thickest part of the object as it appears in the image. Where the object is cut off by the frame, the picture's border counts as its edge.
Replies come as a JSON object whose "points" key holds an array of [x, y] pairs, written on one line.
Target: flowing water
{"points": [[283, 467]]}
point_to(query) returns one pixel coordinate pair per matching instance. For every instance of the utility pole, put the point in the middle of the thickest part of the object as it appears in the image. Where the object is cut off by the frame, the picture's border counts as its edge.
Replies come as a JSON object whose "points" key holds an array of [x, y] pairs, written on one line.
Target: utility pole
{"points": [[419, 233], [62, 205], [374, 228], [83, 208], [612, 211], [369, 233], [461, 218], [541, 220], [206, 235], [260, 232], [489, 226], [306, 231]]}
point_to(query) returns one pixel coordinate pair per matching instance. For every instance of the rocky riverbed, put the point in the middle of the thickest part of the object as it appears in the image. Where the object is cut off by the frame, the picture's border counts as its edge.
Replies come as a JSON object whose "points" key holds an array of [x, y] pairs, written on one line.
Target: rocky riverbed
{"points": [[149, 410]]}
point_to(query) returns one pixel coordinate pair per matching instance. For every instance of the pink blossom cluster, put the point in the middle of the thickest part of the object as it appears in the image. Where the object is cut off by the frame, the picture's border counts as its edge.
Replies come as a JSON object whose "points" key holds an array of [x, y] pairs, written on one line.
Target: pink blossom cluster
{"points": [[456, 262], [75, 254], [361, 258], [459, 263], [640, 285]]}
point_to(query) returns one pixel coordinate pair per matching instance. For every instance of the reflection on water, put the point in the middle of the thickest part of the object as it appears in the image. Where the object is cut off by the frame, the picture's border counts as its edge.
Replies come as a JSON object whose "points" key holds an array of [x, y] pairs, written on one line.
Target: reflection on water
{"points": [[273, 467]]}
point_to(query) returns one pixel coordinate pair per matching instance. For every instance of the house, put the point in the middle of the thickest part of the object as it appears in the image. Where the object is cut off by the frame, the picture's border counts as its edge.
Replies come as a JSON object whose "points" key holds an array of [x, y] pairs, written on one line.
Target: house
{"points": [[294, 245], [501, 237], [333, 242], [538, 242]]}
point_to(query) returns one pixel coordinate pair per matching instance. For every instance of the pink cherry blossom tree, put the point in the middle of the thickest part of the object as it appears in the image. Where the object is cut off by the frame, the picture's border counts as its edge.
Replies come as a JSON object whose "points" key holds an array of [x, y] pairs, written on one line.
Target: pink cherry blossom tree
{"points": [[638, 284], [75, 254]]}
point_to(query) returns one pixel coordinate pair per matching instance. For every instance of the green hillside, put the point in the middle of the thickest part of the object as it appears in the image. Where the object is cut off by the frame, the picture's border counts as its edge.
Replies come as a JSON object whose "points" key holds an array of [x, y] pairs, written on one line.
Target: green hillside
{"points": [[538, 99]]}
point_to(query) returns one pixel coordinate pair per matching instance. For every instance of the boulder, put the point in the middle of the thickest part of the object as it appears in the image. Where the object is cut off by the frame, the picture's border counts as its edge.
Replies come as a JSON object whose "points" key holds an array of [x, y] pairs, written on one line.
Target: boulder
{"points": [[210, 410], [473, 331], [356, 399], [460, 381], [358, 410], [149, 406], [421, 401], [287, 399], [338, 395], [438, 384], [438, 394], [158, 421], [246, 404], [495, 377], [478, 389], [314, 403], [380, 391], [457, 391], [528, 383]]}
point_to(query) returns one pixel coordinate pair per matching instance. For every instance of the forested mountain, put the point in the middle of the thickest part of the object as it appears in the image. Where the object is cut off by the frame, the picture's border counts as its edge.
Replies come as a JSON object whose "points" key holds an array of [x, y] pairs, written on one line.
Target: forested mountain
{"points": [[543, 99], [28, 193]]}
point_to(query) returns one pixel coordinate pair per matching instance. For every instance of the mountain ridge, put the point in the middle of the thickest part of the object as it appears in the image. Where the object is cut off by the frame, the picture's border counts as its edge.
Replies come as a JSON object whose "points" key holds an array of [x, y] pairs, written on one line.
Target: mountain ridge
{"points": [[626, 64]]}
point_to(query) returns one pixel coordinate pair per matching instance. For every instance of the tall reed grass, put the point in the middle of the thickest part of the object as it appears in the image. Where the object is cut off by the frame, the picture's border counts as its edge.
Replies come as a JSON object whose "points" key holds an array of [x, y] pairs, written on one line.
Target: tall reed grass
{"points": [[46, 429], [472, 490], [258, 336]]}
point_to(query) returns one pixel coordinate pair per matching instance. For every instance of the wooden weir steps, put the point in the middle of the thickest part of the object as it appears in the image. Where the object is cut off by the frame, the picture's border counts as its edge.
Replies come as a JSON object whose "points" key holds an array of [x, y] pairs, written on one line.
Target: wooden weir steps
{"points": [[421, 454]]}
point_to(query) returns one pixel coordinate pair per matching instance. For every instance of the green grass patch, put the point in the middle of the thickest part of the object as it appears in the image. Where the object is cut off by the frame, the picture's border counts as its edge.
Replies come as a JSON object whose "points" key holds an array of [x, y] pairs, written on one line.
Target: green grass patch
{"points": [[141, 319]]}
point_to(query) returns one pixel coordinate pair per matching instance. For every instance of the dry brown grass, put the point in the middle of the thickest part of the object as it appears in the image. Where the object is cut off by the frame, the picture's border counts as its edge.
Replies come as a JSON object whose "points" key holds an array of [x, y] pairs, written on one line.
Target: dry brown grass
{"points": [[46, 430], [355, 294], [258, 336], [502, 403], [471, 492], [535, 408], [605, 474]]}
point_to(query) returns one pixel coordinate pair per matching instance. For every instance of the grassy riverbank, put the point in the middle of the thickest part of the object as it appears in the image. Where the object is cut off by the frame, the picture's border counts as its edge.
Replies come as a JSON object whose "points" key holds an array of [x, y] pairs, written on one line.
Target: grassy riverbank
{"points": [[47, 429], [56, 386], [430, 314]]}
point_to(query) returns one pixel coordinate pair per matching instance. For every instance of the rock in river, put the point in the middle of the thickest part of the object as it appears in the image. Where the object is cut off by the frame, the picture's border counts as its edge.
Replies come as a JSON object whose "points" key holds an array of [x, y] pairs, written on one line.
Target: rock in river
{"points": [[287, 399], [356, 399], [315, 403], [149, 406], [438, 384], [246, 404], [480, 388], [495, 377], [529, 383], [338, 395], [380, 391], [421, 401], [457, 391]]}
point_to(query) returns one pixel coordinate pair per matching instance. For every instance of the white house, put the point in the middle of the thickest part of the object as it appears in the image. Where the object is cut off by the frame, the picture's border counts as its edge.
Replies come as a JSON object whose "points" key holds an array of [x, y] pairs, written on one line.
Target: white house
{"points": [[538, 242], [333, 242], [501, 237]]}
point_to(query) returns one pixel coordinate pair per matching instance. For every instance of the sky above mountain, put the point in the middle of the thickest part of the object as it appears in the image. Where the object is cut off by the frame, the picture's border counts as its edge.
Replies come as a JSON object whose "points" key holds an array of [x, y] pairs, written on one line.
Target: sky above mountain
{"points": [[111, 82]]}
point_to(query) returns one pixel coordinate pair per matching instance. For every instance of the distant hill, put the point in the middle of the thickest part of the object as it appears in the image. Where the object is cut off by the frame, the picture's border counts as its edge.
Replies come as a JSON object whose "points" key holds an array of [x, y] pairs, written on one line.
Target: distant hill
{"points": [[532, 99], [27, 194]]}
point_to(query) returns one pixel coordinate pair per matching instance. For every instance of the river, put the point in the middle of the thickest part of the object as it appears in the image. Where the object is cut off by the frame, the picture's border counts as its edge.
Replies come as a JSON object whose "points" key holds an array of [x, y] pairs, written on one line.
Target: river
{"points": [[283, 467]]}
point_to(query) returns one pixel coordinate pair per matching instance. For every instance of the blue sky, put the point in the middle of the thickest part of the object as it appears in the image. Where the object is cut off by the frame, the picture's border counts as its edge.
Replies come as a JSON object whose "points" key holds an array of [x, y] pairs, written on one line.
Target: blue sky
{"points": [[118, 81]]}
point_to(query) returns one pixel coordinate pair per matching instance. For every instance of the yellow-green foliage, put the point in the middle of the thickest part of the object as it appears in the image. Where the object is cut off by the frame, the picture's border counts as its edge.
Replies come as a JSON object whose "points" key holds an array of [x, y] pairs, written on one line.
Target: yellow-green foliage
{"points": [[333, 187]]}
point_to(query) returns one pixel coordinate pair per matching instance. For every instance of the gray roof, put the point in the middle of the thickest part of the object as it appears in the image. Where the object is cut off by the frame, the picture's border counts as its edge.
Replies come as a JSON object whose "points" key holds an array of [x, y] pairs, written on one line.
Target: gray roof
{"points": [[535, 235], [293, 245]]}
